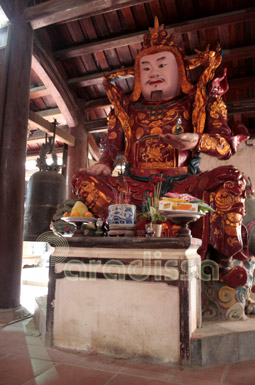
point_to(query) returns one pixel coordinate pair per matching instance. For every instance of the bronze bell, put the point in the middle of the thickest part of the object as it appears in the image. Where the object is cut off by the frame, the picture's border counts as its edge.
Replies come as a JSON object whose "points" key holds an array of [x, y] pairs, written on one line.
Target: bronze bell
{"points": [[46, 190]]}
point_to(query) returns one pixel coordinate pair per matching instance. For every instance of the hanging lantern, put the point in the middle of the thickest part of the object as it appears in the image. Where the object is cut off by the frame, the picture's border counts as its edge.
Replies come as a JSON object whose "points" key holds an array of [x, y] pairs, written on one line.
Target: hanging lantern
{"points": [[46, 190]]}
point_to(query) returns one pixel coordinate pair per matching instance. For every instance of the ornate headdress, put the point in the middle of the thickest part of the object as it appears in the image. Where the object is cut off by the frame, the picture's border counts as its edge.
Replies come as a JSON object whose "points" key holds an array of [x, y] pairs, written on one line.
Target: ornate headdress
{"points": [[157, 40]]}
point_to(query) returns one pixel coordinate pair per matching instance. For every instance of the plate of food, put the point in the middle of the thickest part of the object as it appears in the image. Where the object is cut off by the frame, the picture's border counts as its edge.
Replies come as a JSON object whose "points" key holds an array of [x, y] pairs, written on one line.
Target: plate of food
{"points": [[181, 213], [79, 213], [182, 205]]}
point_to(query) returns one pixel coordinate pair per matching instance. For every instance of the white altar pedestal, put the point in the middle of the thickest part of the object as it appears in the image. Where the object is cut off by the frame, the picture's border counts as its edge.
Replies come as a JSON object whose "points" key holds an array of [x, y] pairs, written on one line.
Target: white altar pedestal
{"points": [[128, 301]]}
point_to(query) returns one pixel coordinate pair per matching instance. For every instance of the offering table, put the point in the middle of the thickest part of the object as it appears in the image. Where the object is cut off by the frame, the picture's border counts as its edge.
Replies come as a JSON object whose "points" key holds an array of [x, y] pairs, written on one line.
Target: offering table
{"points": [[127, 297]]}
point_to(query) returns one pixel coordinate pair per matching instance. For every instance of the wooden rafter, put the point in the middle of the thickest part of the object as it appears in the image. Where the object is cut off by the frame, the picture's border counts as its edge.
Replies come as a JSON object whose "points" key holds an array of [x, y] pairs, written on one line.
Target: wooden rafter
{"points": [[38, 92], [134, 38], [104, 45], [45, 68], [37, 122], [56, 11]]}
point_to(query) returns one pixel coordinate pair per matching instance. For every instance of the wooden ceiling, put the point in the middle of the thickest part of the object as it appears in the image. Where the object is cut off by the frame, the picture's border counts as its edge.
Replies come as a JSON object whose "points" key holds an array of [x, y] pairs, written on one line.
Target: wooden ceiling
{"points": [[77, 41]]}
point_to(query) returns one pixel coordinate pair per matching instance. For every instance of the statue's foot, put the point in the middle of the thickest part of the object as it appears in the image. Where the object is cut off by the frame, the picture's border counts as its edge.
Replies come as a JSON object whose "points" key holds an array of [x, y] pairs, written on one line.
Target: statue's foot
{"points": [[235, 277]]}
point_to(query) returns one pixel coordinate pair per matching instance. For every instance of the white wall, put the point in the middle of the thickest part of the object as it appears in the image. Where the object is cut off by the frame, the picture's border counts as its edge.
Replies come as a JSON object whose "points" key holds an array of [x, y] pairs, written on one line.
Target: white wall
{"points": [[244, 160]]}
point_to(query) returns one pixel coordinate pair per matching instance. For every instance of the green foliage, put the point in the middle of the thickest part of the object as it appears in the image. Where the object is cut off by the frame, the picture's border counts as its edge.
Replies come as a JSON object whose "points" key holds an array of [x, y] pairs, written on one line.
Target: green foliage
{"points": [[155, 216]]}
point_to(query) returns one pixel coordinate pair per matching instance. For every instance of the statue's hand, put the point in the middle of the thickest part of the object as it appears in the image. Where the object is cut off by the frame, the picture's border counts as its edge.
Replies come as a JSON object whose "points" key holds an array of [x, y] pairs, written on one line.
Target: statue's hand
{"points": [[182, 142], [99, 169], [225, 174], [229, 173], [220, 85]]}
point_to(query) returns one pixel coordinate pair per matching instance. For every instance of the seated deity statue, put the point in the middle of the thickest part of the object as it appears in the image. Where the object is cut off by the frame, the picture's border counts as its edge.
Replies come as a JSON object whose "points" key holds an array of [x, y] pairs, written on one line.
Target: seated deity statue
{"points": [[161, 128]]}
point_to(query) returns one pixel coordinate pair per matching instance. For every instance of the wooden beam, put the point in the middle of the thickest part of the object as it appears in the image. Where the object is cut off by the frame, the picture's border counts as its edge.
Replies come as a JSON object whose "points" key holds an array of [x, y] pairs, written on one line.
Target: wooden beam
{"points": [[213, 21], [36, 137], [134, 38], [45, 68], [15, 87], [239, 53], [92, 104], [38, 92], [98, 125], [37, 122], [49, 113], [241, 106], [77, 157], [90, 80], [56, 11], [33, 154], [94, 47], [53, 113]]}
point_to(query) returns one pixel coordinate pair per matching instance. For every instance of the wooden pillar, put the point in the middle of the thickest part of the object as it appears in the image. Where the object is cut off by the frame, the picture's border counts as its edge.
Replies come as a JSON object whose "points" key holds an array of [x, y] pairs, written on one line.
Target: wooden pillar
{"points": [[13, 123], [78, 155]]}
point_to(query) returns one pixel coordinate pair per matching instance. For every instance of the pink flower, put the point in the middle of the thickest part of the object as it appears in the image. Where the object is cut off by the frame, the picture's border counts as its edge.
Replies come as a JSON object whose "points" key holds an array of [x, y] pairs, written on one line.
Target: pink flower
{"points": [[185, 197]]}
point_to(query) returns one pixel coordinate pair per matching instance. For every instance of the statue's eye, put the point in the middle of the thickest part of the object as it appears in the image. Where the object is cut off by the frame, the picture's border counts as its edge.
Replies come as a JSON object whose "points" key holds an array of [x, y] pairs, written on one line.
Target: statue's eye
{"points": [[162, 65], [146, 68]]}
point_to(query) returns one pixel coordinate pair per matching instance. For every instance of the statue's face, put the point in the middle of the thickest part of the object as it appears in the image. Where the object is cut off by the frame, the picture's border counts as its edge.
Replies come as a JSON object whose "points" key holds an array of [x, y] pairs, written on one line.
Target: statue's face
{"points": [[159, 76]]}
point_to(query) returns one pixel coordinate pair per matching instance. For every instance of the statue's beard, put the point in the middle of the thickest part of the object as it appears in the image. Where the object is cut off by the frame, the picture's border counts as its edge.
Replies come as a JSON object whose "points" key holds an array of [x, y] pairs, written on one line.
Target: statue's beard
{"points": [[156, 95]]}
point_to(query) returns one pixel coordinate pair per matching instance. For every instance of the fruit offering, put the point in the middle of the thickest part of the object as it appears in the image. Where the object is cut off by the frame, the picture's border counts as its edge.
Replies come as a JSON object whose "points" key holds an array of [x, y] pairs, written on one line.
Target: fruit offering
{"points": [[79, 209], [70, 208]]}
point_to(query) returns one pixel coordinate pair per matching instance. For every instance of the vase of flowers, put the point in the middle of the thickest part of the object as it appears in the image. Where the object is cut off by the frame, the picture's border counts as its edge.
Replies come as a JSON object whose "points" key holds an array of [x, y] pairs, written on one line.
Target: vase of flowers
{"points": [[157, 229], [150, 206]]}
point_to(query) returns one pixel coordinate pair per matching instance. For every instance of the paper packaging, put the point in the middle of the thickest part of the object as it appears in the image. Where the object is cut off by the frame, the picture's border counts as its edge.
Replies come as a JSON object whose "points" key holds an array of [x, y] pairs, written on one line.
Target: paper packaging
{"points": [[178, 206]]}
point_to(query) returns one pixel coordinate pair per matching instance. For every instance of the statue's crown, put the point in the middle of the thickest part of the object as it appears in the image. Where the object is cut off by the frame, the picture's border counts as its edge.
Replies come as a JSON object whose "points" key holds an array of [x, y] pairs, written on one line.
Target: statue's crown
{"points": [[157, 36]]}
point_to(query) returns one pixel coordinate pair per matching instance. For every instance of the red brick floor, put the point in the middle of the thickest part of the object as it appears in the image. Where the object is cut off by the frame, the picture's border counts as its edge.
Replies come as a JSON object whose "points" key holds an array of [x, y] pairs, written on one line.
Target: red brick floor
{"points": [[24, 360]]}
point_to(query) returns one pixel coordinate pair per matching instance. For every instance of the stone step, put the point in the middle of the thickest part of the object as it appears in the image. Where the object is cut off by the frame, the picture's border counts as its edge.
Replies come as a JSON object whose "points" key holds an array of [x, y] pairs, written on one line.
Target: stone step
{"points": [[221, 342]]}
